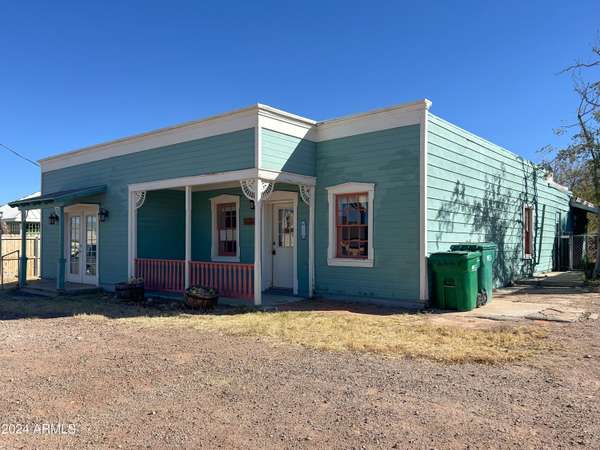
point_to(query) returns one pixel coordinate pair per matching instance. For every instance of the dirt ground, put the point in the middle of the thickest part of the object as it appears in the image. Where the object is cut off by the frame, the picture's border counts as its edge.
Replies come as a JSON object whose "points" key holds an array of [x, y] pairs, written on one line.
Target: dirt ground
{"points": [[72, 381]]}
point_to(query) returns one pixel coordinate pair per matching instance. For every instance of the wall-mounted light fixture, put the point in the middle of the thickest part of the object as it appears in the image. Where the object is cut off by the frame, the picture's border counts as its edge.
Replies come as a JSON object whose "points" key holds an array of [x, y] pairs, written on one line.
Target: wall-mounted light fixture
{"points": [[102, 214], [251, 204], [53, 219]]}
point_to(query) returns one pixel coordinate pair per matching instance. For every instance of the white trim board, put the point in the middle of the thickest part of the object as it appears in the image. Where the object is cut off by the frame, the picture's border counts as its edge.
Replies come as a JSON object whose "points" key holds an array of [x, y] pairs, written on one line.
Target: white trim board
{"points": [[223, 177], [291, 128], [170, 183], [381, 119], [256, 116], [236, 121], [423, 161]]}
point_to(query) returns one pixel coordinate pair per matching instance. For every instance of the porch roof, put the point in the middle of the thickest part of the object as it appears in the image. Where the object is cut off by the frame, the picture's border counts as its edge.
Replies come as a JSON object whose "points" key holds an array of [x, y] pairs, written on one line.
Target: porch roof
{"points": [[57, 198], [580, 203]]}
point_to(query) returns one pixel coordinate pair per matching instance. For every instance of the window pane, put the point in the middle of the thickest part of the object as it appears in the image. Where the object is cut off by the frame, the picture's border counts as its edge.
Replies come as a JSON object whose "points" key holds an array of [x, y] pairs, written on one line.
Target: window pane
{"points": [[75, 237], [226, 229], [285, 227], [352, 221], [364, 234], [289, 227], [91, 245]]}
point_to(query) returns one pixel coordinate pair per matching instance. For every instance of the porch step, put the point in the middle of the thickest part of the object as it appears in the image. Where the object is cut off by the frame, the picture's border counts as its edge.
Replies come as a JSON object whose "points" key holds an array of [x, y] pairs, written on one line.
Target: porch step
{"points": [[46, 291], [38, 292]]}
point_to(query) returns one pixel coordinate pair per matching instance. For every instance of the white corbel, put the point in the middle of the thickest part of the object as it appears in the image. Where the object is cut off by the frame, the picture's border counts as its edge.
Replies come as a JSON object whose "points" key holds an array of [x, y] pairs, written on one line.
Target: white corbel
{"points": [[249, 188], [140, 198], [306, 193], [267, 189]]}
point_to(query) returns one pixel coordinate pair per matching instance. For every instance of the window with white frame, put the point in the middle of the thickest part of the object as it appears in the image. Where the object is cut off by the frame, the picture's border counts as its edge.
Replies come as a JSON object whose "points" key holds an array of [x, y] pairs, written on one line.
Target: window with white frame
{"points": [[30, 227], [351, 224], [528, 231], [225, 212]]}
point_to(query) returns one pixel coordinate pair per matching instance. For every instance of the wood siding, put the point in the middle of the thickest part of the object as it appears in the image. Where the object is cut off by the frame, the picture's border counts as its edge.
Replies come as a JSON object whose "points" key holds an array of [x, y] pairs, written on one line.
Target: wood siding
{"points": [[476, 192], [231, 151], [286, 153], [390, 159]]}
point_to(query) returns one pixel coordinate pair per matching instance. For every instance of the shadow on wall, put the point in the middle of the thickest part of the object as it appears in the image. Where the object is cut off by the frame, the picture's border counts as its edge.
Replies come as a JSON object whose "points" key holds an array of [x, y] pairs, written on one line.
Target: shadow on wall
{"points": [[497, 217]]}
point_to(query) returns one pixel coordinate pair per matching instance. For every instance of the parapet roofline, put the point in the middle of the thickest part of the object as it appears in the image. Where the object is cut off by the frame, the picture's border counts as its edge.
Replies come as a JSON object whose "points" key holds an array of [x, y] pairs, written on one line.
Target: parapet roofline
{"points": [[250, 110]]}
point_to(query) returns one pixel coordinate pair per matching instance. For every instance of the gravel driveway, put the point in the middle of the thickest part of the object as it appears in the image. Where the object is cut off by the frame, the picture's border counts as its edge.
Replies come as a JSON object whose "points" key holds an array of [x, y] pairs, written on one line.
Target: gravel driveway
{"points": [[98, 383]]}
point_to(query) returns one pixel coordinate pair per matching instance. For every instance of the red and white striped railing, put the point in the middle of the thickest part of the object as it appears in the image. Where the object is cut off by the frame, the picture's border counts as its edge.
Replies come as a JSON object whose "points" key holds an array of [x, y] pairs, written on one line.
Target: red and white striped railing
{"points": [[230, 279], [161, 274]]}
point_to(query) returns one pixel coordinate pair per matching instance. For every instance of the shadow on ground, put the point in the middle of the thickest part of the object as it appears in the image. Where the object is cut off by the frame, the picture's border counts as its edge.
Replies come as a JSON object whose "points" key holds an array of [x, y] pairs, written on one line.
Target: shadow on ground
{"points": [[15, 305]]}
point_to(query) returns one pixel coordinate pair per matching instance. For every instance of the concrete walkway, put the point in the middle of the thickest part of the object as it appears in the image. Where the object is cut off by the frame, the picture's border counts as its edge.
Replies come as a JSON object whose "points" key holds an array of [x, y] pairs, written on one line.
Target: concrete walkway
{"points": [[558, 279], [532, 303], [501, 309]]}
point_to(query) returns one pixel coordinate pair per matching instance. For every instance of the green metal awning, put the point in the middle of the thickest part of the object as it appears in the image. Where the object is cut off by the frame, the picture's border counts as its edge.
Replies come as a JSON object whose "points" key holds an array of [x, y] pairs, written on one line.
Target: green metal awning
{"points": [[57, 198]]}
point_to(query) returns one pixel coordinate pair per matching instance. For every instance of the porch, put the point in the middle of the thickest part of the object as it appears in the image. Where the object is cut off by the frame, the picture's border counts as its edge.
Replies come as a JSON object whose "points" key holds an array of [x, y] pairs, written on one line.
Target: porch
{"points": [[242, 232], [241, 236]]}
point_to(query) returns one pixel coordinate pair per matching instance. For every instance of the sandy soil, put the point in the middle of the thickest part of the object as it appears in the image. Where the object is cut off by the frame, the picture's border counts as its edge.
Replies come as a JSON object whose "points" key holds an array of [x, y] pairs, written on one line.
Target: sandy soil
{"points": [[113, 385]]}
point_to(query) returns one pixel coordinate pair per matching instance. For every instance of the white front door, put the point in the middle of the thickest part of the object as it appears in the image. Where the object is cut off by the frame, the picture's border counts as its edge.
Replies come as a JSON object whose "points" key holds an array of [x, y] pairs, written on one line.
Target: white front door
{"points": [[81, 241], [283, 245]]}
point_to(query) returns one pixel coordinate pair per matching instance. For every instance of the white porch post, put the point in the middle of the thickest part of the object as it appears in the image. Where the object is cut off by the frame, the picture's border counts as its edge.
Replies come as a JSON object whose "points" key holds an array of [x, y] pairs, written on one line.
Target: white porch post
{"points": [[258, 243], [132, 248], [62, 262], [311, 243], [188, 234]]}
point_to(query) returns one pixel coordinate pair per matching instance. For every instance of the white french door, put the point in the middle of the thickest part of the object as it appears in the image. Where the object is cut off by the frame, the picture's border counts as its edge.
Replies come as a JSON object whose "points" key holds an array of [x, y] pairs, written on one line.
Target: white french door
{"points": [[81, 241], [283, 235]]}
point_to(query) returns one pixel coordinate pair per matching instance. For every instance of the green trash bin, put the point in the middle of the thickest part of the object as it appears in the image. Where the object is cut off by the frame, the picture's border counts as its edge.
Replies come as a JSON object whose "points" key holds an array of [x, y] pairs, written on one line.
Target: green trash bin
{"points": [[486, 268], [455, 279]]}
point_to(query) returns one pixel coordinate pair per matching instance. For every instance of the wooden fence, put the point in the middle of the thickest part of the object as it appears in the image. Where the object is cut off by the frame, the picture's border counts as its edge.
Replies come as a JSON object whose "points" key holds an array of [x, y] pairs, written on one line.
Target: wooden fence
{"points": [[10, 265]]}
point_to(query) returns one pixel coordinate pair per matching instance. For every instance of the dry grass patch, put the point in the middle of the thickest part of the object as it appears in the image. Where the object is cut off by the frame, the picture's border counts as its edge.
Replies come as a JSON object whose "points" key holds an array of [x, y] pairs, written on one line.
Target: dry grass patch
{"points": [[410, 335]]}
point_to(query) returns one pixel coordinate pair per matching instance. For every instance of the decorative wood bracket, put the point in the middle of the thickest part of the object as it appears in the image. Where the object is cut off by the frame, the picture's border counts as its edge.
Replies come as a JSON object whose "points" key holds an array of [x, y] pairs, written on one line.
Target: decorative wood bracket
{"points": [[249, 189], [140, 198], [305, 193]]}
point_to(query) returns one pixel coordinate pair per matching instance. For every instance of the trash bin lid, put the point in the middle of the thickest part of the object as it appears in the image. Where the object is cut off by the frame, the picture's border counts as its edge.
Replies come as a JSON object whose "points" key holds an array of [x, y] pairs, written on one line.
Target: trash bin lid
{"points": [[487, 245], [474, 246], [454, 258]]}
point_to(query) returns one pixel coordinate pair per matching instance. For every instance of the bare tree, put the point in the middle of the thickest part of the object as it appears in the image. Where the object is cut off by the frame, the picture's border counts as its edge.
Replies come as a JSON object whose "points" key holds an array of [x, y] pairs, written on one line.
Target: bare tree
{"points": [[578, 164]]}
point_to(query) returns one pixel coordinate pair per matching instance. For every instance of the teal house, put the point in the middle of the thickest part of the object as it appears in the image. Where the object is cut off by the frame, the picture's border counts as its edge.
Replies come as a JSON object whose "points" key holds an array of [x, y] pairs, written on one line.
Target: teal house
{"points": [[261, 200]]}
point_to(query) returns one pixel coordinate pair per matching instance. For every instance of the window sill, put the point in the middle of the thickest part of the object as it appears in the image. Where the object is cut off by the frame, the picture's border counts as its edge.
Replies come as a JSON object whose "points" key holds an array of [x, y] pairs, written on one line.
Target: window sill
{"points": [[349, 262], [225, 259]]}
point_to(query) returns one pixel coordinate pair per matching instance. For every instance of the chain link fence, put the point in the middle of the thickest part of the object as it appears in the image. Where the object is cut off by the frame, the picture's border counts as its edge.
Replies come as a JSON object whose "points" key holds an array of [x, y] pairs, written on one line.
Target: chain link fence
{"points": [[575, 252]]}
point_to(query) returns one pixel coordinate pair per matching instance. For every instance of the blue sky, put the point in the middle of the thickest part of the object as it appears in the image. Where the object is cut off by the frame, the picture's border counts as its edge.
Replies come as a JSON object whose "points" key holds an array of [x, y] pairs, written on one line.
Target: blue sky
{"points": [[78, 73]]}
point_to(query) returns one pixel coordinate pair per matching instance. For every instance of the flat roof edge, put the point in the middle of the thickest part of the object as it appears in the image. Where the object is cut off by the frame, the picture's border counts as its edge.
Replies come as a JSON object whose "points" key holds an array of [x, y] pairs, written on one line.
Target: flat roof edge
{"points": [[151, 133], [414, 105]]}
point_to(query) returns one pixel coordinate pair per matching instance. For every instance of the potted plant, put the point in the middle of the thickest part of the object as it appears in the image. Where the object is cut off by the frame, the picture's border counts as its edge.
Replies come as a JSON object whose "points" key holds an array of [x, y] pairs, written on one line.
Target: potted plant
{"points": [[131, 290], [200, 297]]}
